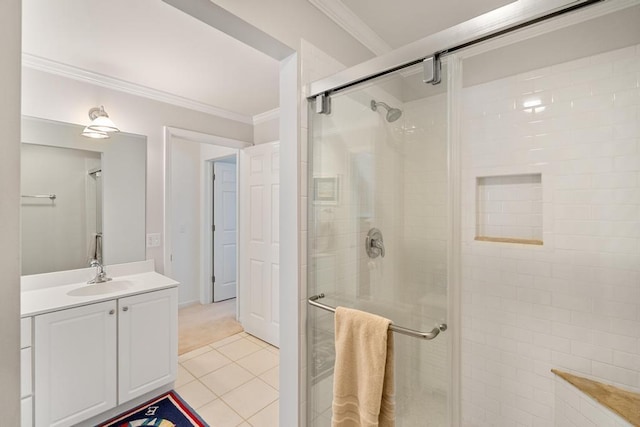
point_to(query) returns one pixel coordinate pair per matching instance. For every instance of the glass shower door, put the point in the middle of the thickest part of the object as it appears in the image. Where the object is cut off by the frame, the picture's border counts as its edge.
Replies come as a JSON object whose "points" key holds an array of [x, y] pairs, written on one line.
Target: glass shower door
{"points": [[380, 161]]}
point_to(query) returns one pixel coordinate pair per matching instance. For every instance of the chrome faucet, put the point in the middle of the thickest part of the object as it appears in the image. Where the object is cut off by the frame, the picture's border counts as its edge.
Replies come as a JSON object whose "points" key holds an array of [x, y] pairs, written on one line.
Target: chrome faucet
{"points": [[101, 275]]}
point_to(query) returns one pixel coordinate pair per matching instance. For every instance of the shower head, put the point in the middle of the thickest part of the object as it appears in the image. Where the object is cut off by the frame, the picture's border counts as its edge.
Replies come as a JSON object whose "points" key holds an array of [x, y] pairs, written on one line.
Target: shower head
{"points": [[393, 114]]}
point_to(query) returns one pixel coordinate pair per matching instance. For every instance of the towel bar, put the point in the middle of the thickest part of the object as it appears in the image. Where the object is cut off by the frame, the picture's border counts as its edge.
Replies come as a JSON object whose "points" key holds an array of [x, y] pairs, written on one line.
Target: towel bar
{"points": [[40, 196], [313, 300]]}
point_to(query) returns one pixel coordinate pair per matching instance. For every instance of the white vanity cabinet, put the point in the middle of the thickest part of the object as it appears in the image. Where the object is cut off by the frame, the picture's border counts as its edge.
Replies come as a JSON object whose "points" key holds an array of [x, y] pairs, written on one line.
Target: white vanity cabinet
{"points": [[90, 359], [75, 364], [26, 369], [148, 344]]}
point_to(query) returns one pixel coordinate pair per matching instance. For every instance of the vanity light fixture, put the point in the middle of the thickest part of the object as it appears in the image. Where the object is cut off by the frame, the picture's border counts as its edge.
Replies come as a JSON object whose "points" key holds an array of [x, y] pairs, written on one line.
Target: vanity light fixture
{"points": [[101, 125]]}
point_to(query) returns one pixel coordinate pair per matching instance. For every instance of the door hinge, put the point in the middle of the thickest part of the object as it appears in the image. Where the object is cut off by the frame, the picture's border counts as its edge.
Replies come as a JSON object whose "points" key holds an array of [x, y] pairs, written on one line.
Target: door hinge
{"points": [[213, 279], [213, 227], [214, 176]]}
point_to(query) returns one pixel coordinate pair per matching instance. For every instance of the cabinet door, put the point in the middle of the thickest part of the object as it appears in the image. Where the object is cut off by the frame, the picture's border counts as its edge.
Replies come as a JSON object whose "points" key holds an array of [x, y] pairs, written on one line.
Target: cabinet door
{"points": [[148, 342], [75, 364]]}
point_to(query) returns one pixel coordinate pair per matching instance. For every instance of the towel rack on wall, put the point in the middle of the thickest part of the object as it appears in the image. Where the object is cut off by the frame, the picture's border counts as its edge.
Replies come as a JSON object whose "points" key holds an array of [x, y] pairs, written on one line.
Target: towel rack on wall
{"points": [[313, 300], [40, 196]]}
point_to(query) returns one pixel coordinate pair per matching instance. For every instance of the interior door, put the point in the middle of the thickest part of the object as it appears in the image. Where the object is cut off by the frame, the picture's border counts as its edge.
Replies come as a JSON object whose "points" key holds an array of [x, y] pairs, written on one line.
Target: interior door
{"points": [[259, 219], [224, 230]]}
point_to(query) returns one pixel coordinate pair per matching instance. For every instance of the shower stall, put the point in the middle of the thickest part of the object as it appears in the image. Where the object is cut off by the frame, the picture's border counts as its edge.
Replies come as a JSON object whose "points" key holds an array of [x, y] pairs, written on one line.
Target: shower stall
{"points": [[379, 233], [497, 213]]}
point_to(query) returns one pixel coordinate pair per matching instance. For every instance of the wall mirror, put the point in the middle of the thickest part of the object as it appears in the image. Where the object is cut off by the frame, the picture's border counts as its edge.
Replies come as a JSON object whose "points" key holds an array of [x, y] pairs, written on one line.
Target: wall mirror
{"points": [[81, 198]]}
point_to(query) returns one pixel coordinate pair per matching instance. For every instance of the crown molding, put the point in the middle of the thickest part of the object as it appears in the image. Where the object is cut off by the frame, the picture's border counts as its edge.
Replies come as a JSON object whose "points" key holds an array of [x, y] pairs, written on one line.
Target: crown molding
{"points": [[266, 116], [79, 74], [349, 21]]}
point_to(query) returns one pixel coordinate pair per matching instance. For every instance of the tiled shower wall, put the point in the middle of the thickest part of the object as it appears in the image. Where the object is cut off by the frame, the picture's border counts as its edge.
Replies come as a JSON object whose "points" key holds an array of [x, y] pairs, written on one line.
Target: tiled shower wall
{"points": [[573, 303]]}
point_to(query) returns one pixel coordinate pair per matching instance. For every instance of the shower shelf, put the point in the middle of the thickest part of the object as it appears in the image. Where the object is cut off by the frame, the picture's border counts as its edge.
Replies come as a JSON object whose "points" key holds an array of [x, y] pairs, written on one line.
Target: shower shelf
{"points": [[313, 300]]}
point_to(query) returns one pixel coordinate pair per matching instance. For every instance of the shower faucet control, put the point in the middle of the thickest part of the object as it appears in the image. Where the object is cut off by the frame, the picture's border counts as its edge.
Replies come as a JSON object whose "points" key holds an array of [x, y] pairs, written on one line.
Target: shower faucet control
{"points": [[374, 243]]}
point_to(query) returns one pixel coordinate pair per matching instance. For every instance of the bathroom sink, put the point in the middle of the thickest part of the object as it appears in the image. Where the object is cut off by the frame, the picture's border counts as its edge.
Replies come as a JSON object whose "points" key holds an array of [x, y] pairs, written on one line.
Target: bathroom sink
{"points": [[101, 288]]}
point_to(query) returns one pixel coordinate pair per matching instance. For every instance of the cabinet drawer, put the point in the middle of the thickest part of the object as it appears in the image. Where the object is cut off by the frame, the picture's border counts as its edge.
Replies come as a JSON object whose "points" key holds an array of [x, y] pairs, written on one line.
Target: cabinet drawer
{"points": [[26, 412], [25, 372], [25, 332]]}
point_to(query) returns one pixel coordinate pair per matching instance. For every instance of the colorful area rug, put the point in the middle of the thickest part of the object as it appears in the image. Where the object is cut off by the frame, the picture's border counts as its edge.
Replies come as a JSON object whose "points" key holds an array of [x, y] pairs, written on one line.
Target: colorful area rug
{"points": [[168, 410]]}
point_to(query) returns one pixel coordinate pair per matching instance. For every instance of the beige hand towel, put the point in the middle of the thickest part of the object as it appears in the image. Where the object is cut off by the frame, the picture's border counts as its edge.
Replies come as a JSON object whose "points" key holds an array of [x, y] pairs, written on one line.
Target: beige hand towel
{"points": [[363, 384]]}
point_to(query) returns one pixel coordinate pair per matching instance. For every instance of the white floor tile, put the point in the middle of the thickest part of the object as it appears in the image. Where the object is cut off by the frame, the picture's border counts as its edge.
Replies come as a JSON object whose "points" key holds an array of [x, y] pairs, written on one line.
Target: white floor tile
{"points": [[257, 341], [226, 378], [183, 377], [238, 349], [248, 387], [267, 417], [205, 363], [218, 414], [196, 394], [274, 350], [259, 362], [226, 341], [250, 398], [194, 353], [272, 377]]}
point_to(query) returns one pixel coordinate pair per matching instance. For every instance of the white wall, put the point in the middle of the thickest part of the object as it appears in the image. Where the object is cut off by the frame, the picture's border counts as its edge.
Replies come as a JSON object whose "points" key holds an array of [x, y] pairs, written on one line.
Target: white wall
{"points": [[573, 303], [58, 98], [10, 211], [189, 170], [266, 131]]}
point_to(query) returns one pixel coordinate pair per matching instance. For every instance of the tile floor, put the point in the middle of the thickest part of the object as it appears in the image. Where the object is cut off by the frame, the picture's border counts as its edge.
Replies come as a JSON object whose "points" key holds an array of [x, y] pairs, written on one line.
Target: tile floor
{"points": [[232, 382]]}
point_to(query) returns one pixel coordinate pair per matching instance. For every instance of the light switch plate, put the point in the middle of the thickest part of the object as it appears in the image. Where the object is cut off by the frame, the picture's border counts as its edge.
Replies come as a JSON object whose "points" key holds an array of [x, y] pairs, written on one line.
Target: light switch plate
{"points": [[153, 240]]}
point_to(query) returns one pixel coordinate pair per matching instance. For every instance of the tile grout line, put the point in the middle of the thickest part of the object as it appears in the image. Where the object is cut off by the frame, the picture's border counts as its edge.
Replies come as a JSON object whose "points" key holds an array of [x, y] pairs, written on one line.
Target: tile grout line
{"points": [[255, 341]]}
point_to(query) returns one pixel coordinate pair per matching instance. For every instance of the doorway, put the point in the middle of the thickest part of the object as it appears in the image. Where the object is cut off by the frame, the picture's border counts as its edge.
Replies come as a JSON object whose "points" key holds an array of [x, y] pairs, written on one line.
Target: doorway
{"points": [[190, 240]]}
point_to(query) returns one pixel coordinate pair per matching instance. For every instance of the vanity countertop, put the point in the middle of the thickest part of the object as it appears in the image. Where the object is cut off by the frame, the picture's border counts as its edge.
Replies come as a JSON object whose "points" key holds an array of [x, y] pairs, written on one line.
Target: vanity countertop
{"points": [[63, 296]]}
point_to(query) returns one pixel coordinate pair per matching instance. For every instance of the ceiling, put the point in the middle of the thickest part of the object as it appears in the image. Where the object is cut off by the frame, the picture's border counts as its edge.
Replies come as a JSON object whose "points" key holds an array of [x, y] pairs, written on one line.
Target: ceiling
{"points": [[150, 44], [401, 22]]}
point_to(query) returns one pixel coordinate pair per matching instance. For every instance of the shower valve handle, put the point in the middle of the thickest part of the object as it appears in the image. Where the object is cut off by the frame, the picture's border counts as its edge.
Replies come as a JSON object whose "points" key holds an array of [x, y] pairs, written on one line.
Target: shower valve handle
{"points": [[374, 244], [378, 244]]}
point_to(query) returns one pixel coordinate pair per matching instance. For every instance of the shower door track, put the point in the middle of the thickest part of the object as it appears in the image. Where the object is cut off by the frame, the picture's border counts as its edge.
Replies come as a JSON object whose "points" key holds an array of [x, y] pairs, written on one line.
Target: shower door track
{"points": [[449, 50], [313, 300]]}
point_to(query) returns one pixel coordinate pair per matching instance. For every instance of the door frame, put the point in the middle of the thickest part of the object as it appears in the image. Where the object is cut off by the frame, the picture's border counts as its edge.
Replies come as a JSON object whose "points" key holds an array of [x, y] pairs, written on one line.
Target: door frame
{"points": [[202, 138], [206, 292]]}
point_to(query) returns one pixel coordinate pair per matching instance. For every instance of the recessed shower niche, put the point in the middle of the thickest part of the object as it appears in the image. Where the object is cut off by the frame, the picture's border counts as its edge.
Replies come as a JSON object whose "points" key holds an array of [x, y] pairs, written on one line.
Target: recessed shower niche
{"points": [[509, 209]]}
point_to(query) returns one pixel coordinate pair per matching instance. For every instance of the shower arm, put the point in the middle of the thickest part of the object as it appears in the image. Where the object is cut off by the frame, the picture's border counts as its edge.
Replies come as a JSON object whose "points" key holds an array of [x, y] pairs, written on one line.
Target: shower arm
{"points": [[313, 300]]}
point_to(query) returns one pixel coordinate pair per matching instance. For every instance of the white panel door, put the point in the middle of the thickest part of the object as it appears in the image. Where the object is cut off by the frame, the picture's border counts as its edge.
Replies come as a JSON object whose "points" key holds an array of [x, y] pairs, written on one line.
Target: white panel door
{"points": [[75, 364], [225, 231], [259, 219], [147, 342]]}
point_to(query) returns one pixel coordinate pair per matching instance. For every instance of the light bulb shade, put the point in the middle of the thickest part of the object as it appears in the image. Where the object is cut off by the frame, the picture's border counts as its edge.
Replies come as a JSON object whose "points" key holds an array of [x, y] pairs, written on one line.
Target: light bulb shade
{"points": [[95, 134], [103, 124]]}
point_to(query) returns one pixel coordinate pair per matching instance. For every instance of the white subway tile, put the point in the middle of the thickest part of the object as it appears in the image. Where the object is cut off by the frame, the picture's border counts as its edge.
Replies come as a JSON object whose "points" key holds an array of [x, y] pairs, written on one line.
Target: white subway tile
{"points": [[592, 352], [552, 342], [616, 341], [614, 374], [570, 362], [626, 360]]}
